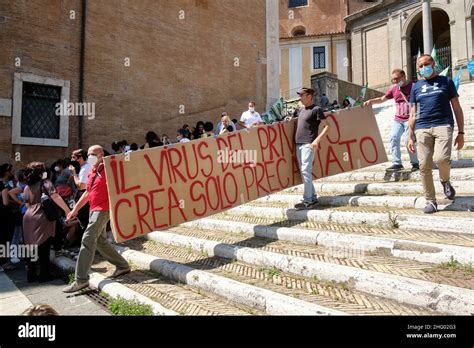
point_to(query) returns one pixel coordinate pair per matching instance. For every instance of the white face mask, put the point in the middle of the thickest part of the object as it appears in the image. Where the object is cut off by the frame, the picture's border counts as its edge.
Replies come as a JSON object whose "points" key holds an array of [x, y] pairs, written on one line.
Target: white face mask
{"points": [[400, 84], [57, 169], [92, 160], [251, 109], [44, 176]]}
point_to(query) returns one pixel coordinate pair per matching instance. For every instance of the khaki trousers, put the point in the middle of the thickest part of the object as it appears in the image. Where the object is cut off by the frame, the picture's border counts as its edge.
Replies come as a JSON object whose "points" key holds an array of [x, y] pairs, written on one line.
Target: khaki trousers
{"points": [[434, 145]]}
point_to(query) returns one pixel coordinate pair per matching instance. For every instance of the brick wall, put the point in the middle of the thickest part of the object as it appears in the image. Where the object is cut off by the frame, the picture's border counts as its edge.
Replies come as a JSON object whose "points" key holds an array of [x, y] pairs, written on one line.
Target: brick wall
{"points": [[47, 43], [319, 17], [185, 64], [174, 64]]}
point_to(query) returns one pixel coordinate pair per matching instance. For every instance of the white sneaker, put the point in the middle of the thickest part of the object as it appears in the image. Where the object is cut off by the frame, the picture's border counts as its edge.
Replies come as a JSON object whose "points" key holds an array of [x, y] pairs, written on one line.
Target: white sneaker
{"points": [[14, 260]]}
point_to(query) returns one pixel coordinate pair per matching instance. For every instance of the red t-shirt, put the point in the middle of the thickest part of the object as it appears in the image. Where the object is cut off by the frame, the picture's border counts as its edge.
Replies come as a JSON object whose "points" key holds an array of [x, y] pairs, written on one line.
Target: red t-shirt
{"points": [[97, 189], [403, 110]]}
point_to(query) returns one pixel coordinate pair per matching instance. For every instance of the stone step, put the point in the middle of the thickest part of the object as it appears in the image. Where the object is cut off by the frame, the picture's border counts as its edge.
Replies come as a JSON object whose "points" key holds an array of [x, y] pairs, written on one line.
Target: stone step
{"points": [[463, 187], [468, 138], [386, 128], [458, 160], [111, 287], [378, 173], [466, 151], [461, 203], [173, 295], [382, 167], [385, 123], [233, 281], [272, 290], [386, 134], [443, 221], [422, 246], [379, 281], [166, 296]]}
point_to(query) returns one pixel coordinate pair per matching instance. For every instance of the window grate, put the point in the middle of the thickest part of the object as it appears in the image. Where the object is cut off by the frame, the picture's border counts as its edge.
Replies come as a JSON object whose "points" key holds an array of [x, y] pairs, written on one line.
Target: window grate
{"points": [[38, 111], [297, 3], [319, 58]]}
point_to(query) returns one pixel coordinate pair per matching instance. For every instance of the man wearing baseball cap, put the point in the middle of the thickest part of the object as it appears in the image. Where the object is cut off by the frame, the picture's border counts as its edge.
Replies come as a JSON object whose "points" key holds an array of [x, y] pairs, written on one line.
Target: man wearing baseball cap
{"points": [[309, 117]]}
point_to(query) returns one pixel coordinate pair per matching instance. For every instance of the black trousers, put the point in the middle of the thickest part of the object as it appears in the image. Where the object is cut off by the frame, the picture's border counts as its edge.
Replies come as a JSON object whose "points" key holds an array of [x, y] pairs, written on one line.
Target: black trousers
{"points": [[83, 217], [7, 227], [43, 262], [58, 239]]}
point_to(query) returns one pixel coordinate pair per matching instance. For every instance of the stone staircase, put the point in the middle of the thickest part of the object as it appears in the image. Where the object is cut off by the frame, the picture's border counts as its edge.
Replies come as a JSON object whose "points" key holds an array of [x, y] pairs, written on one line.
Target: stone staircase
{"points": [[367, 250]]}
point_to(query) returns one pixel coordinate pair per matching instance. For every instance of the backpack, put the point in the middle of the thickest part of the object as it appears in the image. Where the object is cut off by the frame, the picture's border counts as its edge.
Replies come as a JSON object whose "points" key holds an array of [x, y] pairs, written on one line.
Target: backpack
{"points": [[50, 208]]}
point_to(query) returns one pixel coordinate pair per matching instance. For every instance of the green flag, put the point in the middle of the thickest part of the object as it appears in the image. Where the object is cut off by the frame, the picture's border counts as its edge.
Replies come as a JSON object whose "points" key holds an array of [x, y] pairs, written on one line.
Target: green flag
{"points": [[438, 66], [416, 62], [444, 72], [360, 98], [351, 101], [275, 112]]}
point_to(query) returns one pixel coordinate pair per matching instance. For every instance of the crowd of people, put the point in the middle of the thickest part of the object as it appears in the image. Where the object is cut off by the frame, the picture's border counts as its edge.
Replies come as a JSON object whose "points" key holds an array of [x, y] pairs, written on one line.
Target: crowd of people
{"points": [[248, 119], [76, 186], [22, 209], [25, 193]]}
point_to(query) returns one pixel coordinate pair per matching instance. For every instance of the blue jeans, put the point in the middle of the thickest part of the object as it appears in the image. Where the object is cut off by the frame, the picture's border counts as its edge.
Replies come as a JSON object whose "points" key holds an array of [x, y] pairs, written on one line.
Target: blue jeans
{"points": [[305, 156], [400, 129]]}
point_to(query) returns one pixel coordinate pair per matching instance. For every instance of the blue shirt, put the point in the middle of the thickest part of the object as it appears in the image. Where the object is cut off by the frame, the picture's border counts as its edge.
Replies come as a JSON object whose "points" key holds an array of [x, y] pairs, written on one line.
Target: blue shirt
{"points": [[433, 101]]}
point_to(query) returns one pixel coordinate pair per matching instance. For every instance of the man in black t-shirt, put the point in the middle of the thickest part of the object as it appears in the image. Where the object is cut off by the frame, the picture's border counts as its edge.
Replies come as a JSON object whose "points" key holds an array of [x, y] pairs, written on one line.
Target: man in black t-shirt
{"points": [[307, 141]]}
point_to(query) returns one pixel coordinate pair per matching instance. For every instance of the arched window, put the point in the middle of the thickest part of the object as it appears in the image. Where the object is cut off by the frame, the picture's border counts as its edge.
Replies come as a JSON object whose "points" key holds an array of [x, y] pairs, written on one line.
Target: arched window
{"points": [[299, 31]]}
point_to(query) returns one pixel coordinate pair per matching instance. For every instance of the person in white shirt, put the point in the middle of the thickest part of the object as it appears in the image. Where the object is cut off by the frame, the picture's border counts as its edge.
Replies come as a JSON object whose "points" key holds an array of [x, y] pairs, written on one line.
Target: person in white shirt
{"points": [[180, 136], [250, 118], [80, 179]]}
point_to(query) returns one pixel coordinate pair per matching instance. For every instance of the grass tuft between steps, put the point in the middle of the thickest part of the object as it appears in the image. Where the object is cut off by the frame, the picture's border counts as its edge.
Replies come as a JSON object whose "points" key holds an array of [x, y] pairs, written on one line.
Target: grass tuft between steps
{"points": [[123, 307], [452, 265]]}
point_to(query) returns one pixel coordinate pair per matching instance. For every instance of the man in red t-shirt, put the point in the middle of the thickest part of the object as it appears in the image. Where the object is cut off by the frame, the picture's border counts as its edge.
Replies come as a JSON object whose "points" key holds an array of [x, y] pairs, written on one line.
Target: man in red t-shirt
{"points": [[401, 93], [95, 234]]}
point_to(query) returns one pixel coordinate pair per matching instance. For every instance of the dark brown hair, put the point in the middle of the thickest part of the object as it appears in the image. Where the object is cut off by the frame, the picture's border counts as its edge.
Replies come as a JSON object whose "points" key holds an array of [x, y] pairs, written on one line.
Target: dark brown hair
{"points": [[33, 172], [40, 310], [80, 153], [399, 71]]}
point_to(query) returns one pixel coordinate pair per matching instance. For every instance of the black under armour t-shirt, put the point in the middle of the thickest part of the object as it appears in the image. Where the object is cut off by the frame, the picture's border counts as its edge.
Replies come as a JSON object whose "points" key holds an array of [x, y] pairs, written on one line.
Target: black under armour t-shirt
{"points": [[307, 127]]}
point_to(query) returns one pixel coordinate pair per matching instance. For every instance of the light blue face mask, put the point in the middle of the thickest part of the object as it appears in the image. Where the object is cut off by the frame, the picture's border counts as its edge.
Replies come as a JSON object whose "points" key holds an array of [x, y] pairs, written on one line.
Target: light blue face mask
{"points": [[426, 71]]}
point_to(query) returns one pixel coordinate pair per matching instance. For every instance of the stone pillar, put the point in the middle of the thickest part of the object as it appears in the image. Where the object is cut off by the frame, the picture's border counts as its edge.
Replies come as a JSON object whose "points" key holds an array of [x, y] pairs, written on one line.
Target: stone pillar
{"points": [[427, 27], [327, 83], [469, 29], [273, 52], [357, 50]]}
